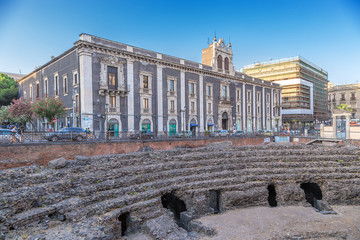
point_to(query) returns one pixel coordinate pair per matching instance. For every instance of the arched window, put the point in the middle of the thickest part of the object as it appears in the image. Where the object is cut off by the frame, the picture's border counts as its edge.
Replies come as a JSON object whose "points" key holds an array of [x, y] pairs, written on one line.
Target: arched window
{"points": [[226, 64], [219, 62]]}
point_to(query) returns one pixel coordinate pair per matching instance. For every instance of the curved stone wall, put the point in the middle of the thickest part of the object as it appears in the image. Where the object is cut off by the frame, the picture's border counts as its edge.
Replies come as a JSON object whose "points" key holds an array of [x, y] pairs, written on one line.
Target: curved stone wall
{"points": [[108, 196]]}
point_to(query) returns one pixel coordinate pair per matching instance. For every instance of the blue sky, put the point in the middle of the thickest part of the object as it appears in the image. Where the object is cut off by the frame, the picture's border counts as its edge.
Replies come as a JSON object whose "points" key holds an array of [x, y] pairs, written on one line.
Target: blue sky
{"points": [[325, 32]]}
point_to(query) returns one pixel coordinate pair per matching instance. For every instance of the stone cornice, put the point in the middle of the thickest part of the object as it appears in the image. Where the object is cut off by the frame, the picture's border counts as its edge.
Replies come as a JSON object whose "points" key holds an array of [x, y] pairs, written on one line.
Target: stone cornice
{"points": [[138, 57]]}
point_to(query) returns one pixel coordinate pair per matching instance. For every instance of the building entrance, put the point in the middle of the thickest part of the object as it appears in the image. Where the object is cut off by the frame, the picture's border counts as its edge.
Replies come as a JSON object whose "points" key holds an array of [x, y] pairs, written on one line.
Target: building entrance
{"points": [[225, 121]]}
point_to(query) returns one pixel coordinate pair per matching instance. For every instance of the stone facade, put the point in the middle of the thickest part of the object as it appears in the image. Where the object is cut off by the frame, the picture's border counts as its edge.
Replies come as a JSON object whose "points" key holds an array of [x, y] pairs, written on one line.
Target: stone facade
{"points": [[110, 85], [345, 94]]}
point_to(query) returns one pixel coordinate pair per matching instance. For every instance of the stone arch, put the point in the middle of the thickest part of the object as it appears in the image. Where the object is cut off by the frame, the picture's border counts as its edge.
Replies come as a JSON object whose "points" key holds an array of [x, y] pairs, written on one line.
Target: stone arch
{"points": [[146, 121], [226, 64], [219, 62], [225, 120], [171, 122], [312, 192], [174, 204], [113, 125]]}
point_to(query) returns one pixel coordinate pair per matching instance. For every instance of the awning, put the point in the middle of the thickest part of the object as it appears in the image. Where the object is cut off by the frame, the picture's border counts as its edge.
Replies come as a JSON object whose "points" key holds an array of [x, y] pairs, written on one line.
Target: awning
{"points": [[193, 125], [210, 124]]}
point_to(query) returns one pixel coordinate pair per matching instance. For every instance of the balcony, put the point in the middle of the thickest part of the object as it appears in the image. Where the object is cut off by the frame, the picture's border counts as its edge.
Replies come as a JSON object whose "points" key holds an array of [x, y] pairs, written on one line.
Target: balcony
{"points": [[353, 99], [113, 110], [225, 101]]}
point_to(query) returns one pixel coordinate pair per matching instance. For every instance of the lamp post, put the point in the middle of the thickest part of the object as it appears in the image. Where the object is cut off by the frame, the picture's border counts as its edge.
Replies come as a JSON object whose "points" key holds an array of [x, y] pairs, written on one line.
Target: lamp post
{"points": [[73, 108]]}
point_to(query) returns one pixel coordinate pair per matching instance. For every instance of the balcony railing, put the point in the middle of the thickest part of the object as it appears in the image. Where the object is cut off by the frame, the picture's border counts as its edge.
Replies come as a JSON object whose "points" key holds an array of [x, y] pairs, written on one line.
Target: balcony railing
{"points": [[113, 109], [353, 99]]}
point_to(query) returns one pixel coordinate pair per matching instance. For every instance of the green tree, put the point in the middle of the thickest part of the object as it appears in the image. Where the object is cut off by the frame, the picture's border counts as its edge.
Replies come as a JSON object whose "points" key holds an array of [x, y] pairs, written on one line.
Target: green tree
{"points": [[49, 108], [20, 110], [345, 107], [5, 117], [8, 89]]}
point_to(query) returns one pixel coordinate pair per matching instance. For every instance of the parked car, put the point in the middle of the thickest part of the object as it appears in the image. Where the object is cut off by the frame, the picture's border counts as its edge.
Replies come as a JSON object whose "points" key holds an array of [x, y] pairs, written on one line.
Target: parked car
{"points": [[5, 135], [142, 135], [267, 133], [69, 133], [185, 134], [221, 133], [239, 133]]}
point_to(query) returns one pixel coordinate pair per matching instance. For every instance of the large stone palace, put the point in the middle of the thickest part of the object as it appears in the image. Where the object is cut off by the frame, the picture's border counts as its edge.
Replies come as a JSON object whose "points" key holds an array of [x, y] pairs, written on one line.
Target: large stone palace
{"points": [[109, 85]]}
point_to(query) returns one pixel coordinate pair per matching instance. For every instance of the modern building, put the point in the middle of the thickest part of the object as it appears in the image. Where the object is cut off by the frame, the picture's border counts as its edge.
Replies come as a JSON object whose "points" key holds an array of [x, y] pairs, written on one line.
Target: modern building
{"points": [[304, 87], [110, 85], [348, 94]]}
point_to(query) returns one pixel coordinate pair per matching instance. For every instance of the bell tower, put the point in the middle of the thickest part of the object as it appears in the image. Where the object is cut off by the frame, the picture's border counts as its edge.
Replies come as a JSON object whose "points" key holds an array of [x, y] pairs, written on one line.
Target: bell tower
{"points": [[219, 57]]}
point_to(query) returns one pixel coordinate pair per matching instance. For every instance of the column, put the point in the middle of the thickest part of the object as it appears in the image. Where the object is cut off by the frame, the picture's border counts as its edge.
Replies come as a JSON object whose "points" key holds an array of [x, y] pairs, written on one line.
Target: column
{"points": [[86, 91], [254, 110], [334, 126], [130, 97], [201, 97], [182, 100], [160, 99], [348, 126], [272, 110], [263, 109], [244, 121]]}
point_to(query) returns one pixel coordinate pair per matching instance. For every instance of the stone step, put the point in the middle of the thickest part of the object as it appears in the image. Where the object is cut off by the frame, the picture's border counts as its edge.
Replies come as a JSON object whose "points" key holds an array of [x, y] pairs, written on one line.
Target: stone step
{"points": [[27, 217]]}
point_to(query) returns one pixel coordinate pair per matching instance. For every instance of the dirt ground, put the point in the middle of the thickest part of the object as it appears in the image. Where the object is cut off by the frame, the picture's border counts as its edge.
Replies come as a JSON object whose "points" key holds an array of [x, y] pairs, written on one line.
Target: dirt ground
{"points": [[293, 222]]}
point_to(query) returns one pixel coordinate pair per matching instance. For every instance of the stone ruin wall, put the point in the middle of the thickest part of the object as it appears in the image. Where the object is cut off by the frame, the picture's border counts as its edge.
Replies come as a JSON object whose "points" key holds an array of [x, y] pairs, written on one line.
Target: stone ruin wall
{"points": [[161, 193]]}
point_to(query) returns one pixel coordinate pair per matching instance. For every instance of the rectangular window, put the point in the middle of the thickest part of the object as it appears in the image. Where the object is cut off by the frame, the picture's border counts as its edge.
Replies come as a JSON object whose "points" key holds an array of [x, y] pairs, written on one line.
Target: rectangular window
{"points": [[172, 105], [37, 90], [146, 103], [238, 95], [75, 79], [31, 92], [249, 110], [145, 82], [209, 91], [238, 108], [192, 88], [112, 101], [172, 86], [76, 103], [112, 77], [258, 97], [258, 110], [268, 98], [46, 87], [224, 91], [65, 85], [192, 106], [248, 96], [209, 107], [56, 85]]}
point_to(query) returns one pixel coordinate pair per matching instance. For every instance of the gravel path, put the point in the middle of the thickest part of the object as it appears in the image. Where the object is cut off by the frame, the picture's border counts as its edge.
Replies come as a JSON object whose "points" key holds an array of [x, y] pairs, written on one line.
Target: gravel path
{"points": [[291, 222]]}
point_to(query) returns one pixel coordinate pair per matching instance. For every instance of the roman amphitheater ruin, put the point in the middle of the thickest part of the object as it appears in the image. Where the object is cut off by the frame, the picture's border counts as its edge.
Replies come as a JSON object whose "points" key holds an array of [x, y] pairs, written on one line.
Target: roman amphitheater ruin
{"points": [[165, 194]]}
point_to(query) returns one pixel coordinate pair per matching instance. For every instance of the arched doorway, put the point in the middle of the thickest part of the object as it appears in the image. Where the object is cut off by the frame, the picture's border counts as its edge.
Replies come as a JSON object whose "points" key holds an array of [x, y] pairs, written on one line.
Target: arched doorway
{"points": [[146, 125], [113, 127], [172, 127], [225, 121], [193, 126], [238, 125]]}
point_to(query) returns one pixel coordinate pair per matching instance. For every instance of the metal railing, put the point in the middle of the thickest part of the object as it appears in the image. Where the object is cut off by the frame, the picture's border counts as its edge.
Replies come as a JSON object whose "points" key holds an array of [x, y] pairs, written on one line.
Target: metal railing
{"points": [[111, 136]]}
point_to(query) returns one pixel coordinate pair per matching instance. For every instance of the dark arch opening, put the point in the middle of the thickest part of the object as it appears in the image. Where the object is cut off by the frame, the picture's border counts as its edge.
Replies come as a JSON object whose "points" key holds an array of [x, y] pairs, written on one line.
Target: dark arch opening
{"points": [[272, 196], [124, 223], [215, 201], [175, 204], [219, 62], [312, 191], [226, 63]]}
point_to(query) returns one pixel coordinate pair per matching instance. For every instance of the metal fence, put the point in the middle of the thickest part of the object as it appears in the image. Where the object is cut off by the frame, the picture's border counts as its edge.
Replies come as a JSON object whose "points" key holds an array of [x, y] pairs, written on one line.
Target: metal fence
{"points": [[110, 136]]}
